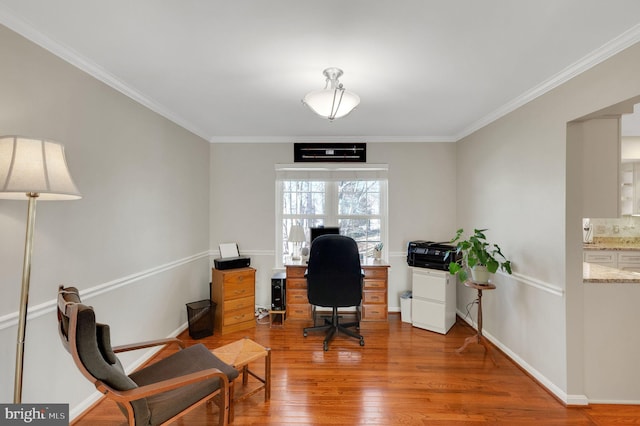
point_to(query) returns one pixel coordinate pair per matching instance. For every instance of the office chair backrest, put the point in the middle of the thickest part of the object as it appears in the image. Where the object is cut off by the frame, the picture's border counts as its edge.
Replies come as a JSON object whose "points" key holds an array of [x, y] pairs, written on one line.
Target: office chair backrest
{"points": [[334, 275], [89, 343]]}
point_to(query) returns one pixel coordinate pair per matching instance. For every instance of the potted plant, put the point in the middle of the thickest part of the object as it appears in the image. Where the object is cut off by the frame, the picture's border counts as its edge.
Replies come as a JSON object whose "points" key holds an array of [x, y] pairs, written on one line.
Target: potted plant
{"points": [[481, 257]]}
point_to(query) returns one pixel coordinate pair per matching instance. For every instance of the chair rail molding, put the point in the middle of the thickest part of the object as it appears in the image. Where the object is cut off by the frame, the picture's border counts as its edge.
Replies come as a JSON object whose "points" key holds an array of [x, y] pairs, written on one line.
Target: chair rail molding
{"points": [[36, 311]]}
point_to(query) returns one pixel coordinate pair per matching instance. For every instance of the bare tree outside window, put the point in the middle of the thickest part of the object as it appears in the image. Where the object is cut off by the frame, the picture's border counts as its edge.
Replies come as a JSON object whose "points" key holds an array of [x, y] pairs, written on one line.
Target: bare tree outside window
{"points": [[355, 206]]}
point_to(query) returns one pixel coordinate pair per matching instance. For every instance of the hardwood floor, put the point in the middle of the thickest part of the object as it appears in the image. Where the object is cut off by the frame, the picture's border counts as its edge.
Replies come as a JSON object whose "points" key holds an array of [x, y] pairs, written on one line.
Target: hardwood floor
{"points": [[402, 376]]}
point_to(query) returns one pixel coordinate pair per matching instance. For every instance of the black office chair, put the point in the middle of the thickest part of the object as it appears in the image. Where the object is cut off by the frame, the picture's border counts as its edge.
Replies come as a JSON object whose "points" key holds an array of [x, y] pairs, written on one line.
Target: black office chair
{"points": [[334, 279]]}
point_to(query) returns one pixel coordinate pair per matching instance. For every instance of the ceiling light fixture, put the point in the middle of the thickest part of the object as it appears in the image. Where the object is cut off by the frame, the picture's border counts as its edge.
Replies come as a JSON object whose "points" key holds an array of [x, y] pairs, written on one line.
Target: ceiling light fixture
{"points": [[333, 101]]}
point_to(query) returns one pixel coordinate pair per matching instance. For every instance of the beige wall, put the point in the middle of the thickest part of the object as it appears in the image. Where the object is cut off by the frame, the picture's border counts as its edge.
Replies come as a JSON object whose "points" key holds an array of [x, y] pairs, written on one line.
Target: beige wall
{"points": [[525, 186], [136, 244], [421, 202], [156, 198]]}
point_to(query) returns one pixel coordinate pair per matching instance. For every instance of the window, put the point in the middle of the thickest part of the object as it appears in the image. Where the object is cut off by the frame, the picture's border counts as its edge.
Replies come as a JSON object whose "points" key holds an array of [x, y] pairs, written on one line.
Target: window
{"points": [[355, 199]]}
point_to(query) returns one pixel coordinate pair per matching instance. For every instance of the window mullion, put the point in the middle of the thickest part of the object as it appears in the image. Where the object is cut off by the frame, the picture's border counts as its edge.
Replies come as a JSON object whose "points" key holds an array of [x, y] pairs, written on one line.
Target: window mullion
{"points": [[331, 203]]}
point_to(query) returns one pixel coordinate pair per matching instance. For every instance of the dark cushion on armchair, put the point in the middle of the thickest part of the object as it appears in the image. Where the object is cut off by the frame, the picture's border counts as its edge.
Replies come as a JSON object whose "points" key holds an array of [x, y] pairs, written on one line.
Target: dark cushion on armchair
{"points": [[190, 360], [100, 360]]}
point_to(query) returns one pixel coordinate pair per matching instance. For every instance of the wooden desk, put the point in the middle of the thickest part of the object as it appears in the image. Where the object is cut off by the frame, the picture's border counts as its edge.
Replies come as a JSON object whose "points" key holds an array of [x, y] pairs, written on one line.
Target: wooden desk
{"points": [[375, 305], [478, 337]]}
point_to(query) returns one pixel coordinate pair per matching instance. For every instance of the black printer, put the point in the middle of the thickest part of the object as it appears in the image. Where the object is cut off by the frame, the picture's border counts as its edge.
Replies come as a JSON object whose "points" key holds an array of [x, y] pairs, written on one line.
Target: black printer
{"points": [[428, 254]]}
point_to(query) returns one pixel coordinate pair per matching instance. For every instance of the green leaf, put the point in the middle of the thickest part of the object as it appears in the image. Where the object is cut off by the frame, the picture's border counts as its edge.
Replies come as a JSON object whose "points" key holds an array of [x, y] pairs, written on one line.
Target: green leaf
{"points": [[492, 265]]}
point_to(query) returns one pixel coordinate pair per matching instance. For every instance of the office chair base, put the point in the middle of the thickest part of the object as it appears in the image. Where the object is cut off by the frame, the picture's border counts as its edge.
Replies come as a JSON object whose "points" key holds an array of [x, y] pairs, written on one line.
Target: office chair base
{"points": [[333, 326]]}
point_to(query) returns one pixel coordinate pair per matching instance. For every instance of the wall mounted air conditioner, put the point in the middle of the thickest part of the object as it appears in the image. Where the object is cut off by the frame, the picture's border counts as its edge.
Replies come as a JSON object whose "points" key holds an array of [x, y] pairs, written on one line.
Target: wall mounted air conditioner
{"points": [[330, 152]]}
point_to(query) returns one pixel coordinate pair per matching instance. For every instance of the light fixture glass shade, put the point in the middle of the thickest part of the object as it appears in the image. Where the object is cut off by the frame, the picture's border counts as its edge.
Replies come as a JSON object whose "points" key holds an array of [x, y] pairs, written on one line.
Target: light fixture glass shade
{"points": [[331, 103], [334, 101], [34, 166]]}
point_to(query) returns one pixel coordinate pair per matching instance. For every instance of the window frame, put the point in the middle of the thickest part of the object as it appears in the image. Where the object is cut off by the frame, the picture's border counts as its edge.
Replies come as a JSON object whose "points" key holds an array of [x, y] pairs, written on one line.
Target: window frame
{"points": [[331, 174]]}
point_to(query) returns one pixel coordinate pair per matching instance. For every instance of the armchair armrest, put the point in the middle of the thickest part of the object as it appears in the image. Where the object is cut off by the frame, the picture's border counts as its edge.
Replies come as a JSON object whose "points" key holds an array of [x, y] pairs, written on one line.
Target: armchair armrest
{"points": [[163, 386], [148, 344]]}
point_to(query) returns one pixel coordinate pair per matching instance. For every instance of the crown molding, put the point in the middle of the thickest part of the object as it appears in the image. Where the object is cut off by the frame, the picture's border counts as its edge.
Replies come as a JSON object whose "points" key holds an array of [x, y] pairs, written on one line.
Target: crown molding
{"points": [[617, 45], [318, 139], [614, 46], [8, 19]]}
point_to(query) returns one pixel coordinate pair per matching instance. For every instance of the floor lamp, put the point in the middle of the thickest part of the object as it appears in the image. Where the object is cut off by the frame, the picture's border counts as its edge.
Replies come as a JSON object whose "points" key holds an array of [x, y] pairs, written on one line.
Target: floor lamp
{"points": [[35, 169]]}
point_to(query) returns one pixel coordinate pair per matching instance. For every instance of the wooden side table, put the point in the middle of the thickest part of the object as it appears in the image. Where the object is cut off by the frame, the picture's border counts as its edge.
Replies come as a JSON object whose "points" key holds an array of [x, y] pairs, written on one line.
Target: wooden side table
{"points": [[277, 317], [239, 354], [478, 337]]}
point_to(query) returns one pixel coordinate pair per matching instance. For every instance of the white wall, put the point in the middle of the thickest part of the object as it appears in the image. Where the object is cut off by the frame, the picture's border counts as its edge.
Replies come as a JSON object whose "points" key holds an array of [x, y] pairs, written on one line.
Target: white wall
{"points": [[517, 178], [421, 202], [136, 244]]}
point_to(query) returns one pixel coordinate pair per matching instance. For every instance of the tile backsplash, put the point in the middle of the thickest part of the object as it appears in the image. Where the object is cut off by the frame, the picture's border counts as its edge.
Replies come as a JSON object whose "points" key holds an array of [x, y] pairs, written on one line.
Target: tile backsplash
{"points": [[628, 226]]}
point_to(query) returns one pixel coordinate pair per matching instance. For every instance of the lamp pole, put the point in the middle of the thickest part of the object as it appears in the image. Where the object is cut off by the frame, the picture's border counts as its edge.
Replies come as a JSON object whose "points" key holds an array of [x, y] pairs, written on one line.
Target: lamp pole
{"points": [[24, 297], [38, 168]]}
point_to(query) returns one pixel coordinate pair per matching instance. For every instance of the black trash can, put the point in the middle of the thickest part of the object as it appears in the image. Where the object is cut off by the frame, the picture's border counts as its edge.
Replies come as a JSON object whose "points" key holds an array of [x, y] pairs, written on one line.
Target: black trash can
{"points": [[200, 315]]}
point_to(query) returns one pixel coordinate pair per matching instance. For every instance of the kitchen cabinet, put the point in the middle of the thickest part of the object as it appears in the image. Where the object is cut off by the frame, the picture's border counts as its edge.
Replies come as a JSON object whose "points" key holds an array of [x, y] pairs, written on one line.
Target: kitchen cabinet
{"points": [[630, 188], [602, 257], [629, 260], [433, 306], [626, 260]]}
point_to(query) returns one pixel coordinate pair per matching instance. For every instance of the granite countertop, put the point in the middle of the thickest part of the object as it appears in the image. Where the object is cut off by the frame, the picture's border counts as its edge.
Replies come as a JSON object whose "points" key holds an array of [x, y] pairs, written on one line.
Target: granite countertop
{"points": [[611, 246], [594, 273], [613, 243]]}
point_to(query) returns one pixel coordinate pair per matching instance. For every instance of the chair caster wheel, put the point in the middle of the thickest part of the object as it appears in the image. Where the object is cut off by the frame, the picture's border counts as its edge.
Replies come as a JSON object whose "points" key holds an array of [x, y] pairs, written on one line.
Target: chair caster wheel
{"points": [[304, 334], [325, 346], [362, 342]]}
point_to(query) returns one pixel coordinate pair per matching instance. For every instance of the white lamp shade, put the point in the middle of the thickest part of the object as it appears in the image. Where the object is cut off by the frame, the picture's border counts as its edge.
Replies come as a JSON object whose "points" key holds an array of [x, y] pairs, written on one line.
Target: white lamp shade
{"points": [[296, 234], [34, 166], [324, 102]]}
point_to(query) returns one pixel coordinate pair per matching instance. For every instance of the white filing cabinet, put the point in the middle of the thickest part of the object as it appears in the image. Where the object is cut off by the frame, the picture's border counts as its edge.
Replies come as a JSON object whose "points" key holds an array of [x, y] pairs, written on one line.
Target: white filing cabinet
{"points": [[433, 306]]}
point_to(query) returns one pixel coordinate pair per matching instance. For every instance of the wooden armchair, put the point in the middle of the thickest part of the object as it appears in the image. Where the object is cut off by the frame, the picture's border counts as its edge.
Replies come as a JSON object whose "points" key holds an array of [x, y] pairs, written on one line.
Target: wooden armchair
{"points": [[156, 394]]}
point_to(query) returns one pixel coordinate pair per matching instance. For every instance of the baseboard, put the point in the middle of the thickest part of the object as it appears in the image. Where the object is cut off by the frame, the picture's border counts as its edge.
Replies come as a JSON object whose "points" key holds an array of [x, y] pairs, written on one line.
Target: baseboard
{"points": [[541, 379]]}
